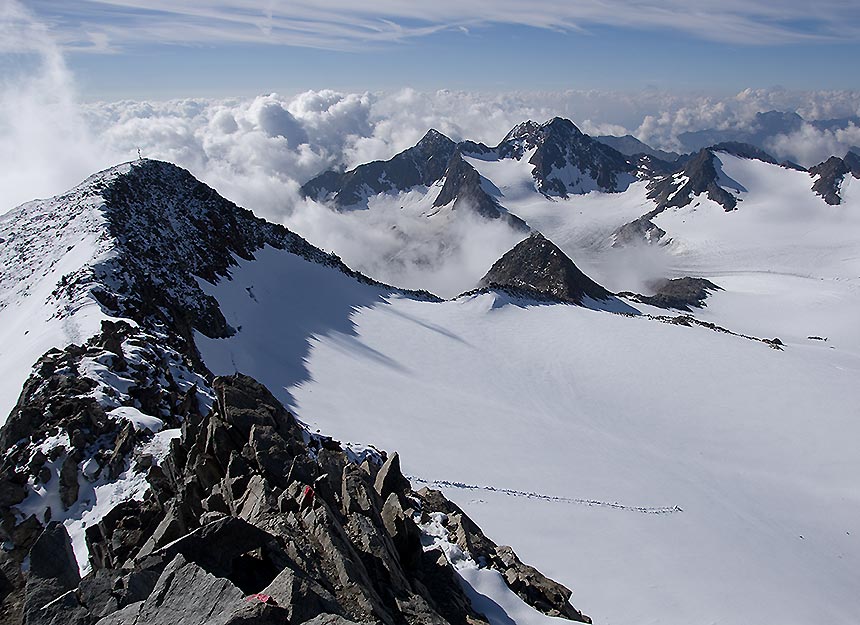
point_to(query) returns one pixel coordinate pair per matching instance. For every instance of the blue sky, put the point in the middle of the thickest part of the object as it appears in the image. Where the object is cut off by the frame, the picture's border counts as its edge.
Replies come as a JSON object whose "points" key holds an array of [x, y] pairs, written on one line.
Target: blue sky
{"points": [[177, 48]]}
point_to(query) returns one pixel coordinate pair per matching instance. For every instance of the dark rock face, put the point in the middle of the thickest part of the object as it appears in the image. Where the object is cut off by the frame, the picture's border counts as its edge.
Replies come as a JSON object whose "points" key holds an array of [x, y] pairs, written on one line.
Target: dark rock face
{"points": [[433, 158], [565, 160], [536, 267], [172, 227], [531, 585], [462, 189], [830, 174], [698, 175], [680, 293], [422, 164], [53, 573]]}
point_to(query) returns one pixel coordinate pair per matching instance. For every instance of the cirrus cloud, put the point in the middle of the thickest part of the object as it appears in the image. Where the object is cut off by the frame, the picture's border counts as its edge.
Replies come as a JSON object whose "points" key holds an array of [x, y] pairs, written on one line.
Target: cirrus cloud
{"points": [[103, 25]]}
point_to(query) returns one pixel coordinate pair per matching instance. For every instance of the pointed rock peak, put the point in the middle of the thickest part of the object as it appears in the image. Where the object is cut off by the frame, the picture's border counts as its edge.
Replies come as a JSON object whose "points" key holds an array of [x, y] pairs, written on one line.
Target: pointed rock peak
{"points": [[463, 189], [522, 130], [563, 125], [536, 267], [433, 139]]}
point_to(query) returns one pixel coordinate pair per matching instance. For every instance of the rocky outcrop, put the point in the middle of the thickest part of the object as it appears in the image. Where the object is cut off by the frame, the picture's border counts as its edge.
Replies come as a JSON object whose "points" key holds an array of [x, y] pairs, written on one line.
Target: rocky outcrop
{"points": [[463, 189], [830, 174], [422, 164], [679, 293], [698, 175], [566, 161], [249, 519], [537, 268]]}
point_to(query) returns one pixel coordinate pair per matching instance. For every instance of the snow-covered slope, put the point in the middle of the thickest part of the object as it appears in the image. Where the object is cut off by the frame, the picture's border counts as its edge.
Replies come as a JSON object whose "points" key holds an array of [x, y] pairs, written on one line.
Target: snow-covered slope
{"points": [[44, 246], [675, 474], [709, 477]]}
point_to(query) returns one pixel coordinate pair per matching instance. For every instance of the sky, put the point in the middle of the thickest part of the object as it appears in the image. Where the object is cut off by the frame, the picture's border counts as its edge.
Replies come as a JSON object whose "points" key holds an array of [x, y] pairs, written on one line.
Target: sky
{"points": [[180, 48]]}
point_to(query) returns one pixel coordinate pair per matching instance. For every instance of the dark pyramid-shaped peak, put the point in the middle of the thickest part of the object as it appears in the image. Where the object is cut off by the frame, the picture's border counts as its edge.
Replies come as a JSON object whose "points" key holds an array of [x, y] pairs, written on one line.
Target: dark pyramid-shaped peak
{"points": [[433, 142], [536, 267], [422, 164], [561, 125]]}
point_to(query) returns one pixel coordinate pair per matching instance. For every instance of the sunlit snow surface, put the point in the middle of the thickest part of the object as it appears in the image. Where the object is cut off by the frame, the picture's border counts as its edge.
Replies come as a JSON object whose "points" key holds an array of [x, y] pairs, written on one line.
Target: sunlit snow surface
{"points": [[44, 245], [667, 474]]}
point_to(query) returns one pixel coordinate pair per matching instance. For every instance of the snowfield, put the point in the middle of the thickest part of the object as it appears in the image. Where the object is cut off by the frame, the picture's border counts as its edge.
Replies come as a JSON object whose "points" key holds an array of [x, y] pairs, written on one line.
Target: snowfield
{"points": [[755, 446], [667, 474]]}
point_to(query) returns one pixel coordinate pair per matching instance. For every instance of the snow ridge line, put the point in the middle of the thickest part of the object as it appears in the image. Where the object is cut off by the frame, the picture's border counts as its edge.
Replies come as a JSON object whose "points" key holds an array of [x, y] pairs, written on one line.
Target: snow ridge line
{"points": [[531, 495]]}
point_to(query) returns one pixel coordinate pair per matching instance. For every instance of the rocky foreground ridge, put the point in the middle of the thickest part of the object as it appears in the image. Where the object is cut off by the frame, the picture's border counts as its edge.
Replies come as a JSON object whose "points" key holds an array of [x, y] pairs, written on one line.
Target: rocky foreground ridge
{"points": [[249, 519], [137, 488]]}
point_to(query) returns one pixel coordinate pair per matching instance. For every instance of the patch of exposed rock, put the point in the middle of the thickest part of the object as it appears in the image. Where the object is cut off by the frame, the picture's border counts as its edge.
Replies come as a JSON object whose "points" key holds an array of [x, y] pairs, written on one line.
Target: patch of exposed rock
{"points": [[679, 293], [830, 174]]}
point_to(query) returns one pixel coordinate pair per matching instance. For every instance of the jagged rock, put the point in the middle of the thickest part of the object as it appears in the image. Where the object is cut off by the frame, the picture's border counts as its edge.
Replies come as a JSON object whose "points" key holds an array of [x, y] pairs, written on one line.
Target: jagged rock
{"points": [[333, 619], [423, 164], [171, 528], [11, 493], [698, 175], [390, 479], [463, 189], [187, 594], [638, 231], [565, 160], [680, 293], [357, 495], [344, 553], [255, 612], [403, 531], [301, 596], [536, 267], [125, 616], [53, 572], [830, 174], [531, 585]]}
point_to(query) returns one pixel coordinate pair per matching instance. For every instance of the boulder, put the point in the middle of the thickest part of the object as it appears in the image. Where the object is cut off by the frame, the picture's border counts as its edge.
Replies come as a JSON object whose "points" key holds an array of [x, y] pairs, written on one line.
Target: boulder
{"points": [[53, 570]]}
